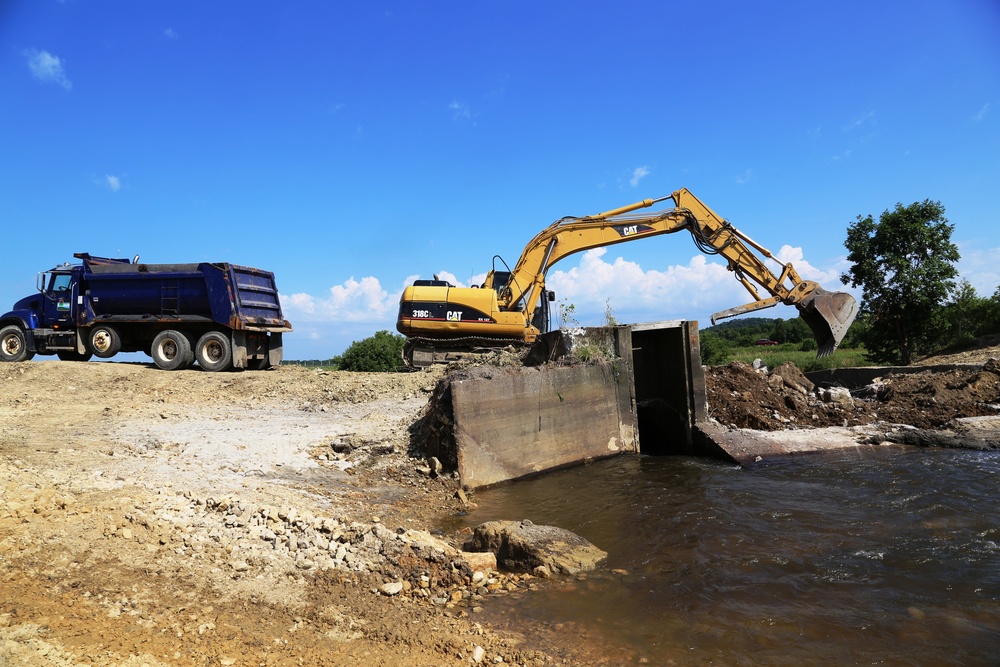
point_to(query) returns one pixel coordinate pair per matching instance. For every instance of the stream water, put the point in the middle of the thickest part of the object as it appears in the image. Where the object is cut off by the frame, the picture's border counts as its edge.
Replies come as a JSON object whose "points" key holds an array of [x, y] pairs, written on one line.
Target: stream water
{"points": [[881, 556]]}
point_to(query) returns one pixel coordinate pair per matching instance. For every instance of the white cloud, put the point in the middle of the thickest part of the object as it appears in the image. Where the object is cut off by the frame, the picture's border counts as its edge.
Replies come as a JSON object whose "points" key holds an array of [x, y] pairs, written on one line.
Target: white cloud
{"points": [[449, 277], [684, 291], [353, 301], [863, 120], [981, 114], [47, 68], [829, 279], [980, 266], [170, 33], [638, 174], [109, 181], [460, 110], [678, 292]]}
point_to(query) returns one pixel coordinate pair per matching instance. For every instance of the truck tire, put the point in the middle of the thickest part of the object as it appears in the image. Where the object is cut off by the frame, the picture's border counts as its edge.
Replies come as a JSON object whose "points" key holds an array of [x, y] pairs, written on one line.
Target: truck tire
{"points": [[66, 355], [14, 344], [104, 341], [214, 352], [171, 350]]}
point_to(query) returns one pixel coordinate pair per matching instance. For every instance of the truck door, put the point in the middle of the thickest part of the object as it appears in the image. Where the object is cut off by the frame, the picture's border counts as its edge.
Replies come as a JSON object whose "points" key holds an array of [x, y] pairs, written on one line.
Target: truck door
{"points": [[58, 303]]}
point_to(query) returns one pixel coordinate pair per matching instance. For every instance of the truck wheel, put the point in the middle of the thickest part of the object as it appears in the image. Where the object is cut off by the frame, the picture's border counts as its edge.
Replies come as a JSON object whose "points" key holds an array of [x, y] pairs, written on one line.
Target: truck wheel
{"points": [[214, 351], [66, 355], [171, 350], [14, 344], [105, 342]]}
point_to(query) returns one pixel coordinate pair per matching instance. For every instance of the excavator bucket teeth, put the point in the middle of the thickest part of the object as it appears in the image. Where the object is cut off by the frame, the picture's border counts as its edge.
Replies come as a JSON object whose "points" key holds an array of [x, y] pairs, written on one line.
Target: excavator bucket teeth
{"points": [[829, 315]]}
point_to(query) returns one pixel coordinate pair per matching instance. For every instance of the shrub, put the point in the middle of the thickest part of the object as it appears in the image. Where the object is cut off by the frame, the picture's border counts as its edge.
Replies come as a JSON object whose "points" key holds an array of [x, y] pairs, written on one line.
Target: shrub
{"points": [[715, 350], [380, 353]]}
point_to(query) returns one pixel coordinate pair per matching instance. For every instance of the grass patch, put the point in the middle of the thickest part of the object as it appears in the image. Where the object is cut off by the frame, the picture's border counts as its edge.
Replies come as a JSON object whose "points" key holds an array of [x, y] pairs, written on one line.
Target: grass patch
{"points": [[805, 361]]}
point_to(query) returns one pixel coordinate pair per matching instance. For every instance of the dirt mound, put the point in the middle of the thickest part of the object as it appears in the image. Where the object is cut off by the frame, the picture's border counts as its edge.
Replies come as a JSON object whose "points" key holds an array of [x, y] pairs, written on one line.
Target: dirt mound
{"points": [[742, 396], [265, 518], [192, 518]]}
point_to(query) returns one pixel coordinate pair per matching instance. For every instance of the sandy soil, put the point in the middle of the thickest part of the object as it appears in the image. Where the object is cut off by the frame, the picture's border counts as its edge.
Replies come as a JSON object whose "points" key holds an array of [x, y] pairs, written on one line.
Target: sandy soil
{"points": [[285, 517], [133, 528]]}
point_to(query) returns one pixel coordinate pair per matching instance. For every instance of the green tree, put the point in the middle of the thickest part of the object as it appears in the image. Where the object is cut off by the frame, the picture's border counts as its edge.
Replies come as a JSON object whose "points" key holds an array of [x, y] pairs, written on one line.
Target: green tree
{"points": [[964, 313], [794, 330], [904, 265], [380, 353], [715, 349], [968, 316], [856, 335]]}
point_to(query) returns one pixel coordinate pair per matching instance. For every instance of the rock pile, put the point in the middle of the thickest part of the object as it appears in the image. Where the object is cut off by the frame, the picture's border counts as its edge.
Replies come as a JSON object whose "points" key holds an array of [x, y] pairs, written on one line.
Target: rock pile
{"points": [[243, 539]]}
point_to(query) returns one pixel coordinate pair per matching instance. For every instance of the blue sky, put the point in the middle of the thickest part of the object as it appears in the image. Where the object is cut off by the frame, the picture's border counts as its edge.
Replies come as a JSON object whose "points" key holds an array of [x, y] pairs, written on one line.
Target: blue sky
{"points": [[352, 147]]}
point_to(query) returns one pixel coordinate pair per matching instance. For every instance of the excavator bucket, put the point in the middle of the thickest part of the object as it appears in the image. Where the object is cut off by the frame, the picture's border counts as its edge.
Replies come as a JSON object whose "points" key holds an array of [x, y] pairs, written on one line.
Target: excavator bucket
{"points": [[829, 315]]}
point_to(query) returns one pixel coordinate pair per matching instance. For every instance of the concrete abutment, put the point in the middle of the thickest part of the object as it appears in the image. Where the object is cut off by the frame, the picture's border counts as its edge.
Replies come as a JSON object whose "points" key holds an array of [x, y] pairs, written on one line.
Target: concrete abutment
{"points": [[641, 390]]}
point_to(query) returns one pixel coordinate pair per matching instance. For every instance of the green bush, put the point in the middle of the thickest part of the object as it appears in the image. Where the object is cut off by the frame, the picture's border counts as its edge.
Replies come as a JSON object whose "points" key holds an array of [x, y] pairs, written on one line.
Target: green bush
{"points": [[381, 353], [715, 350]]}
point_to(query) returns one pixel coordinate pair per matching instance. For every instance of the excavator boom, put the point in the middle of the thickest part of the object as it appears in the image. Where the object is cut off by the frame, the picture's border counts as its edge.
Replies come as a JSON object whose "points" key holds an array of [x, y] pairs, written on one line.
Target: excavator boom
{"points": [[437, 316]]}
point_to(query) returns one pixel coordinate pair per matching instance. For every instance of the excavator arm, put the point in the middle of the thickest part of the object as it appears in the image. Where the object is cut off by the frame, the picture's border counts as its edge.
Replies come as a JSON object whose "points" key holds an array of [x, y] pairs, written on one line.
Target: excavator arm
{"points": [[828, 314]]}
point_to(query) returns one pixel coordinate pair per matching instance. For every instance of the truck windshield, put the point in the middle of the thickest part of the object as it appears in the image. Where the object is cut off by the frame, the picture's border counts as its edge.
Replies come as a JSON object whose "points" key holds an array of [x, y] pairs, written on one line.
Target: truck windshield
{"points": [[60, 282]]}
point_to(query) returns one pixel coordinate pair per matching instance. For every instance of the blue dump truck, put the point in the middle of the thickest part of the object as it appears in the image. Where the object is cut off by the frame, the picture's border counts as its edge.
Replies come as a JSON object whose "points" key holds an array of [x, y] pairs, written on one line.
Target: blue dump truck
{"points": [[221, 315]]}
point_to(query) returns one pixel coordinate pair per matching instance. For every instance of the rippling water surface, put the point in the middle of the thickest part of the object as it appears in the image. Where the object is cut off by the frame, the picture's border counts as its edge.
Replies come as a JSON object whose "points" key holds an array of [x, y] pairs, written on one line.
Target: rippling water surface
{"points": [[884, 556]]}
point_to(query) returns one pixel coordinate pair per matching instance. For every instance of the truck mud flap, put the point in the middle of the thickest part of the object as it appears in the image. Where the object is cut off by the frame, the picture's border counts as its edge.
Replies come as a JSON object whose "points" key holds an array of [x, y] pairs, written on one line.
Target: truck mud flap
{"points": [[275, 352], [239, 349], [255, 350]]}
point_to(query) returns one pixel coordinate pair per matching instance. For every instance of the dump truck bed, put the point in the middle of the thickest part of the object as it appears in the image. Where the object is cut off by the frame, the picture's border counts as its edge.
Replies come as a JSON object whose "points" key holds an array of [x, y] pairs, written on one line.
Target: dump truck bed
{"points": [[239, 297]]}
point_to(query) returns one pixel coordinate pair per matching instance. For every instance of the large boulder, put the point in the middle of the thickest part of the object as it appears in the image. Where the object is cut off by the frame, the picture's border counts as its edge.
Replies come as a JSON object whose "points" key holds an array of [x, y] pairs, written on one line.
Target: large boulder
{"points": [[521, 546], [793, 378]]}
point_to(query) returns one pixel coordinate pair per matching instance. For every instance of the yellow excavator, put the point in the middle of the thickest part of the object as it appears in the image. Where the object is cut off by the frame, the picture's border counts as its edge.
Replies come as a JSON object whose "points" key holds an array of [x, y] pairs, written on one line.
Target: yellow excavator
{"points": [[443, 323]]}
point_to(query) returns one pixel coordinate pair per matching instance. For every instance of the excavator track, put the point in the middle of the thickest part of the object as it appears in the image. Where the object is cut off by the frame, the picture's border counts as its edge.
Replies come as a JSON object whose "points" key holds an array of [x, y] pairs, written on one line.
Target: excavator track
{"points": [[423, 352]]}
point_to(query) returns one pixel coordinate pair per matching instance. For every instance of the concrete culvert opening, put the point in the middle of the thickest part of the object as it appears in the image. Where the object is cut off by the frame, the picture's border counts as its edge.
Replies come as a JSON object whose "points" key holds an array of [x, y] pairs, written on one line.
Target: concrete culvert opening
{"points": [[669, 386]]}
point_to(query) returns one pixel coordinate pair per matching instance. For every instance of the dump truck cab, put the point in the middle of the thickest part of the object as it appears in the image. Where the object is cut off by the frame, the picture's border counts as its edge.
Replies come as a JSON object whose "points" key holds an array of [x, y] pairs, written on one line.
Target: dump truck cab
{"points": [[58, 288]]}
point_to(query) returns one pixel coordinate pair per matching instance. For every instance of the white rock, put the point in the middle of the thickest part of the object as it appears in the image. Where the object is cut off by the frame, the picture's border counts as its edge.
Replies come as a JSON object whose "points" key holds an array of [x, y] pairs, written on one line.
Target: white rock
{"points": [[391, 588]]}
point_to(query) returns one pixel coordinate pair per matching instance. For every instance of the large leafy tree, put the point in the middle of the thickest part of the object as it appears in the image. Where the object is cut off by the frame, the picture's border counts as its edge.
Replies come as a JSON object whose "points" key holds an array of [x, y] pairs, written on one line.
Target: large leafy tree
{"points": [[904, 265]]}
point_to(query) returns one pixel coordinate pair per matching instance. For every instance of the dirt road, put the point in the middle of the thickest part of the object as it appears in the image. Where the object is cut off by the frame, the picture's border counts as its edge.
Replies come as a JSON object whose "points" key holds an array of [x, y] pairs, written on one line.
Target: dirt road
{"points": [[274, 518]]}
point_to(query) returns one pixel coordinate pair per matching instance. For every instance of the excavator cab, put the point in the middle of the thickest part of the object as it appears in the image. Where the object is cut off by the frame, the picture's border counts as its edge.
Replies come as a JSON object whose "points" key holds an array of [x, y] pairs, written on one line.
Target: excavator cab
{"points": [[829, 315]]}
